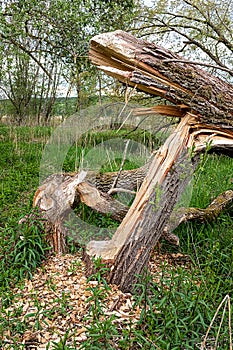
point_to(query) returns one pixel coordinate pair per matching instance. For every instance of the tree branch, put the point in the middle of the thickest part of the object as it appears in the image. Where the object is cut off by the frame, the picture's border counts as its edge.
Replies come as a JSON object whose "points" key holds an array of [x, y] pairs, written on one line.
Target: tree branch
{"points": [[28, 52]]}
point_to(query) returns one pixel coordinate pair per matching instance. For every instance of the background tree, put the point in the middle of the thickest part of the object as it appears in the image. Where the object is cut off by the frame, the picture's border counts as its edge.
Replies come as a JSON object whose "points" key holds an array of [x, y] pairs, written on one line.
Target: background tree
{"points": [[30, 91], [59, 31]]}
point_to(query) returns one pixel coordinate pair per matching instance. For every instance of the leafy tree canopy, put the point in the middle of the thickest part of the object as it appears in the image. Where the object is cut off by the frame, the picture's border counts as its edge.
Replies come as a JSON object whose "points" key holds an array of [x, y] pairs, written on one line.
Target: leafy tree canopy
{"points": [[60, 28]]}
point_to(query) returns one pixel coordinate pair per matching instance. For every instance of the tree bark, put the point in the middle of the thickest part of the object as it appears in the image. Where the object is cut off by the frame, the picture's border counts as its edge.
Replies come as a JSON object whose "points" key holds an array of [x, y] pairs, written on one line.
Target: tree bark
{"points": [[157, 71]]}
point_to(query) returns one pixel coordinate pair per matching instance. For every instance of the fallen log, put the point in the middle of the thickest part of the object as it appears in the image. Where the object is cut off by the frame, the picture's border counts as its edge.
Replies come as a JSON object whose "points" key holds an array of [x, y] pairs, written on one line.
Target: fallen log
{"points": [[61, 193], [75, 187], [220, 203]]}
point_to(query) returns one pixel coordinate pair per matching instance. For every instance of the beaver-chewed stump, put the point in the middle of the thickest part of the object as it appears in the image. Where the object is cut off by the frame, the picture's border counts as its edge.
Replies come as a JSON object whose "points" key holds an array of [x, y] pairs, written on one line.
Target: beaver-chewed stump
{"points": [[204, 105]]}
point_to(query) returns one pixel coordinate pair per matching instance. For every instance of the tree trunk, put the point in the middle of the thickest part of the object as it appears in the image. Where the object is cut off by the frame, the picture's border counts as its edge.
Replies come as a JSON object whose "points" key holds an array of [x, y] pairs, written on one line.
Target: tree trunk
{"points": [[157, 71]]}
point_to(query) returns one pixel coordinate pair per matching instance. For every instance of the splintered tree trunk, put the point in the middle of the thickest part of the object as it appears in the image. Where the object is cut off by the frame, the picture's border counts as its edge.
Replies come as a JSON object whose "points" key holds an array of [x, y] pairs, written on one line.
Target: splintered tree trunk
{"points": [[157, 71], [129, 250], [206, 103]]}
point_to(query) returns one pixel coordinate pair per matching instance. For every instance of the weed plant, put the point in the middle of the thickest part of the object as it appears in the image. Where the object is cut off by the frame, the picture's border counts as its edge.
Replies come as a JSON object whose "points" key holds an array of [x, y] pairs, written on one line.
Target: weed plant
{"points": [[21, 250]]}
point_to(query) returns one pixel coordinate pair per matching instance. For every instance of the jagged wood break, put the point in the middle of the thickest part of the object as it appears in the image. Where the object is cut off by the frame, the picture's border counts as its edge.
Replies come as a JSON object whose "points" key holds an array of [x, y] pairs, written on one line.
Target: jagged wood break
{"points": [[204, 105]]}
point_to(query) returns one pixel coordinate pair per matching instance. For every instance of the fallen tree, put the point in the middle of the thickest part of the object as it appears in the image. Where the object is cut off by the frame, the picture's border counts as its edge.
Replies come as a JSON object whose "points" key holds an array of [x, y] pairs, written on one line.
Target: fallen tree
{"points": [[205, 108]]}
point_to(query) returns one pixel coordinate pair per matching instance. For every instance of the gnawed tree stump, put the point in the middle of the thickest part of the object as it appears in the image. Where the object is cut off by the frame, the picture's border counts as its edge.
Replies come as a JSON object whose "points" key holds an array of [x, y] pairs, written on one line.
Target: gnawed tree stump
{"points": [[204, 105]]}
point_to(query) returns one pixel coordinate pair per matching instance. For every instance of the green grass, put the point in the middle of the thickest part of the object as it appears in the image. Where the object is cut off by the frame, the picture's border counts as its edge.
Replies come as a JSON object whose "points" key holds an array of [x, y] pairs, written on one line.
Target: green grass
{"points": [[21, 246], [176, 311], [185, 308], [20, 153]]}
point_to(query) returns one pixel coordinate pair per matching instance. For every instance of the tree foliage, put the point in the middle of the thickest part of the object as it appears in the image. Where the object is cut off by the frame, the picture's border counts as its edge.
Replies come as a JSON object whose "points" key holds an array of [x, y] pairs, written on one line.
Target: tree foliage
{"points": [[52, 37], [64, 27]]}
